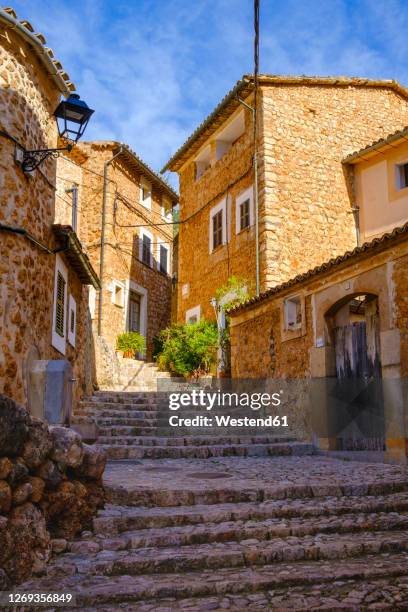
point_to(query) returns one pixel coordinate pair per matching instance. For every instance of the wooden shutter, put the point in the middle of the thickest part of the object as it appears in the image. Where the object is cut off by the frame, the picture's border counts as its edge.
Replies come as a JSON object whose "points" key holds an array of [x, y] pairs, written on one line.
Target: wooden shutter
{"points": [[60, 306]]}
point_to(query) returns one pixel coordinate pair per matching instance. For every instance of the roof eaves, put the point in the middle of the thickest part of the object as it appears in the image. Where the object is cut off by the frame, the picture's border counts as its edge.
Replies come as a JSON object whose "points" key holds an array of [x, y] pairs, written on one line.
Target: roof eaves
{"points": [[45, 54], [149, 171], [376, 146], [179, 157], [241, 84], [324, 267]]}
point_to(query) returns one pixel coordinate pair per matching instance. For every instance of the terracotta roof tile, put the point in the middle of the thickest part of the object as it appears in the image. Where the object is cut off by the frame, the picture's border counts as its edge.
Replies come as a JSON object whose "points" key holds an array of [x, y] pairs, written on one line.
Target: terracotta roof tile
{"points": [[245, 85], [377, 145], [9, 18]]}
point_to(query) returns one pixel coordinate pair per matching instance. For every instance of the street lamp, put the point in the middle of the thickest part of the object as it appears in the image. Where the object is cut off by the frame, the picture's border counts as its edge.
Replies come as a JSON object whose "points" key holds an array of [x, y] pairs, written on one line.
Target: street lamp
{"points": [[72, 117]]}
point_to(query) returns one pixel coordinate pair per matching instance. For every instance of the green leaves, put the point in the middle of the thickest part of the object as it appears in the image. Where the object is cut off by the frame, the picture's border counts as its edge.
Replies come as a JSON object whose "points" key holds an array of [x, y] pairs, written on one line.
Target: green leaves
{"points": [[189, 349], [131, 342]]}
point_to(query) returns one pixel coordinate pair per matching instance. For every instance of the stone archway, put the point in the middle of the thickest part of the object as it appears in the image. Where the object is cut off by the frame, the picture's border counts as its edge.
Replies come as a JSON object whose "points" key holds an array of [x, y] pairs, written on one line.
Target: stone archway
{"points": [[357, 406]]}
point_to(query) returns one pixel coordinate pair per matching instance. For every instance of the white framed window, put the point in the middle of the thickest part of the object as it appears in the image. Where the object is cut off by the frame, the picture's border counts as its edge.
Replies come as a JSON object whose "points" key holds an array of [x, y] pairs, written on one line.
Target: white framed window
{"points": [[193, 315], [59, 316], [293, 312], [163, 257], [218, 225], [402, 175], [118, 293], [72, 320], [227, 136], [146, 193], [146, 247], [244, 210]]}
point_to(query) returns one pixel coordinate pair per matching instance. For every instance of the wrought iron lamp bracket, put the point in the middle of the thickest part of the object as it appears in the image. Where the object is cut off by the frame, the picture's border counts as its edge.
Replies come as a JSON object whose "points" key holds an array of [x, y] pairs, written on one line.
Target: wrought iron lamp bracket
{"points": [[32, 159]]}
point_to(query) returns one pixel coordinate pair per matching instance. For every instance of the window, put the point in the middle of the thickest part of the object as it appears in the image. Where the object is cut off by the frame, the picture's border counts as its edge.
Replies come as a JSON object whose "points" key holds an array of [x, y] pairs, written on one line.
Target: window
{"points": [[73, 191], [166, 209], [134, 311], [244, 210], [146, 247], [118, 293], [163, 263], [146, 193], [193, 315], [293, 313], [202, 162], [218, 225], [244, 214], [226, 138], [71, 320], [402, 176], [217, 229], [59, 324]]}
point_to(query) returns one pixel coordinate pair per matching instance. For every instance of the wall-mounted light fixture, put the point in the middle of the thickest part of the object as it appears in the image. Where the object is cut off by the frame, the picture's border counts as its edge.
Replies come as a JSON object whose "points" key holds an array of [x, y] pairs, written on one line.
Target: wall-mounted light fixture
{"points": [[72, 117]]}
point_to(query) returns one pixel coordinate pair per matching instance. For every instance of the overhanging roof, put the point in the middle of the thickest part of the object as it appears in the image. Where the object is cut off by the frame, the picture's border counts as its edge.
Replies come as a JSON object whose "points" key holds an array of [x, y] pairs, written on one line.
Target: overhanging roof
{"points": [[79, 260], [244, 87], [379, 146], [37, 41], [369, 247]]}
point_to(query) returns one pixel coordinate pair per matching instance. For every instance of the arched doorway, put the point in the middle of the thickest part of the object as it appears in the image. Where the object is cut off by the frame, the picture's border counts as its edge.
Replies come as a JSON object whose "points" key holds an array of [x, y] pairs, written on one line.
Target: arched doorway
{"points": [[357, 407]]}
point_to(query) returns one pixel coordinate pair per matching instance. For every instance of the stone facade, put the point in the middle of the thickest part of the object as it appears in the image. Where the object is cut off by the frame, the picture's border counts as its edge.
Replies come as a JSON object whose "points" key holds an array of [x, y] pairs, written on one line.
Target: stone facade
{"points": [[30, 89], [306, 126], [263, 346], [126, 219]]}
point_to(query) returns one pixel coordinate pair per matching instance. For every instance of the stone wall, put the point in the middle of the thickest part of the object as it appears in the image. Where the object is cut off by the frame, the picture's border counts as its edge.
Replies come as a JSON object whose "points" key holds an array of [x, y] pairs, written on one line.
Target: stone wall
{"points": [[306, 195], [124, 218], [201, 273], [50, 488], [28, 98]]}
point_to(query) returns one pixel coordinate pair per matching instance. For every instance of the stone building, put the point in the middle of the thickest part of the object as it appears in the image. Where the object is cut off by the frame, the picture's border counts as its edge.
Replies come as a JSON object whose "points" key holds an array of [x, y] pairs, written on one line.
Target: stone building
{"points": [[306, 126], [43, 269], [344, 320], [134, 205]]}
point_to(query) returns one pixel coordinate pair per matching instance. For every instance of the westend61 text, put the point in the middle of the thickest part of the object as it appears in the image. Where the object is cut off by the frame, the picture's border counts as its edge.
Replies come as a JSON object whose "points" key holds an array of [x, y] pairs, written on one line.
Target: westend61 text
{"points": [[228, 421], [207, 400]]}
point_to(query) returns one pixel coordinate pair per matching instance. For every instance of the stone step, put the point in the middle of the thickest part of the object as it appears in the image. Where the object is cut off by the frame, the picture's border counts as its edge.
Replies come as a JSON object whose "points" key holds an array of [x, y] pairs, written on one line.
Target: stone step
{"points": [[142, 418], [134, 424], [125, 398], [167, 495], [117, 519], [378, 593], [204, 452], [237, 531], [146, 407], [123, 436], [132, 412], [152, 588]]}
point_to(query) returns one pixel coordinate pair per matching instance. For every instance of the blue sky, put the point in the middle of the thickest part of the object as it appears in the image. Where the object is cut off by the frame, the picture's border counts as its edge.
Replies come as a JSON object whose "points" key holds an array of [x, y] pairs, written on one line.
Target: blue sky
{"points": [[153, 69]]}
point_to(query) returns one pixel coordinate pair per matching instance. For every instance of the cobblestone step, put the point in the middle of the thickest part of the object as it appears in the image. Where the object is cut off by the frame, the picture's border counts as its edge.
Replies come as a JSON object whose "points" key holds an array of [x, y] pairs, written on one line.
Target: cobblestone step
{"points": [[147, 407], [239, 530], [116, 519], [115, 437], [153, 589], [203, 452], [122, 413], [389, 593], [245, 553]]}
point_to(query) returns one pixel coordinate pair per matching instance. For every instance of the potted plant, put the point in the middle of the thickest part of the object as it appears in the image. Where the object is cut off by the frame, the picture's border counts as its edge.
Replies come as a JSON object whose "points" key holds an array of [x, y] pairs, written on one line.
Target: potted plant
{"points": [[131, 343]]}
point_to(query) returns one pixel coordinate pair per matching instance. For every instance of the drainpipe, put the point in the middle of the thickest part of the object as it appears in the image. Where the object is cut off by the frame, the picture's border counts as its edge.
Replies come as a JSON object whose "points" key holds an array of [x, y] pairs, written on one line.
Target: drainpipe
{"points": [[103, 227], [256, 197]]}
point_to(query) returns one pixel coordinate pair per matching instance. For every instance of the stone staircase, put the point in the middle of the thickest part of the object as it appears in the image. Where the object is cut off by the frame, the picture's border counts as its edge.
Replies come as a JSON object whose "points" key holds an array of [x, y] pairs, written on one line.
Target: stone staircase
{"points": [[267, 545], [127, 428]]}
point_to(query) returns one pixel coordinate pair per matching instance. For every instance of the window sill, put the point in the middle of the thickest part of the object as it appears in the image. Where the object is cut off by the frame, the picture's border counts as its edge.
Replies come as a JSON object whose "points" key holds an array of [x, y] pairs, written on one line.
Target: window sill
{"points": [[244, 229]]}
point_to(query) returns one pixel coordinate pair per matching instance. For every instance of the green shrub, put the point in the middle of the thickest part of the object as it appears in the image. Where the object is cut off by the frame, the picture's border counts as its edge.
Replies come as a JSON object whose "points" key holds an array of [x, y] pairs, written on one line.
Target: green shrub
{"points": [[189, 350], [131, 343]]}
